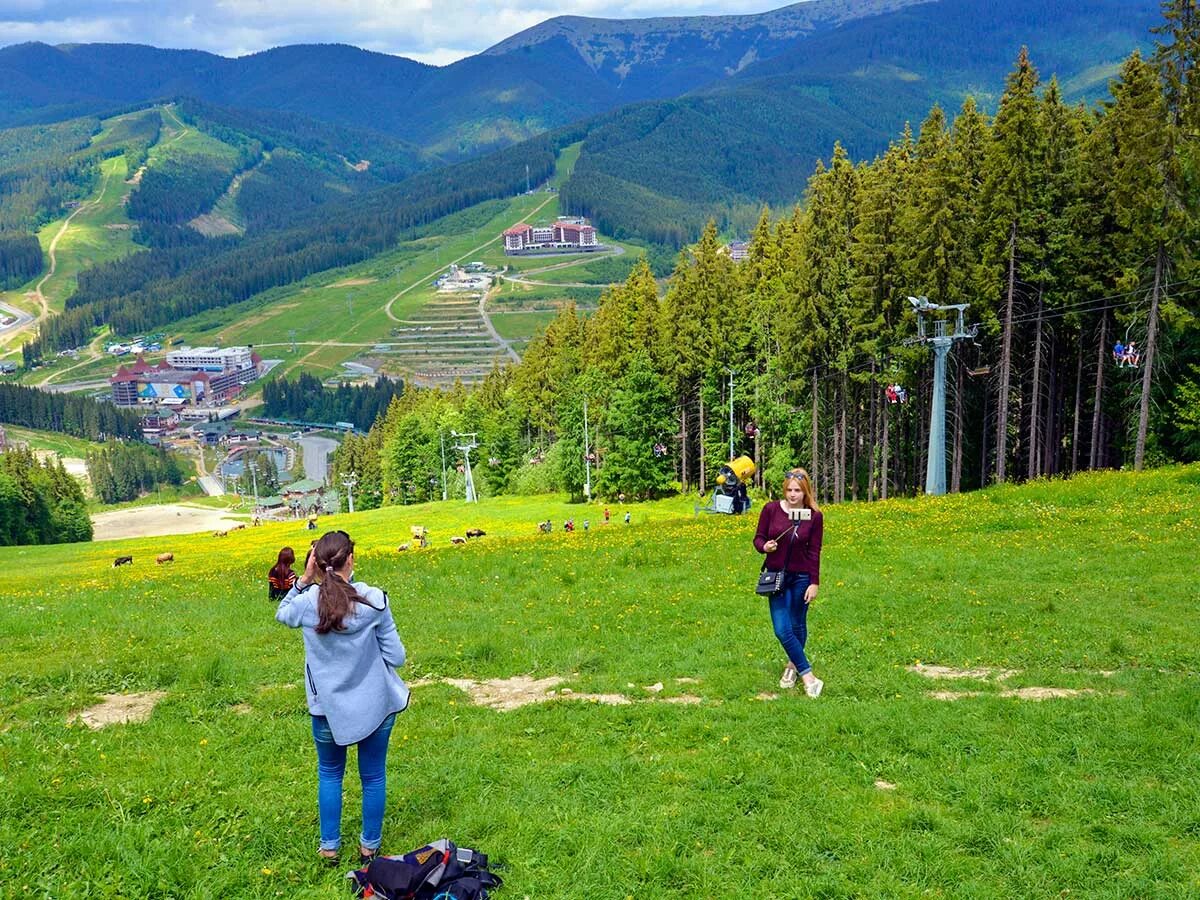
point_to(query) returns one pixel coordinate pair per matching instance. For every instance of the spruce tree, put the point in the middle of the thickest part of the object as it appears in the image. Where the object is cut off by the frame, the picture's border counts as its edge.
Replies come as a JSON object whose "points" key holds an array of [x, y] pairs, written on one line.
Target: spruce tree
{"points": [[1010, 194]]}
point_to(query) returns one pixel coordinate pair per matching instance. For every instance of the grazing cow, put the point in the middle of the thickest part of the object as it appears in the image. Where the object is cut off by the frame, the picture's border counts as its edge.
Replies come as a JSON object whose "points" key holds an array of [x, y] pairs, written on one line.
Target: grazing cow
{"points": [[123, 561], [164, 558], [238, 527], [458, 540], [475, 532], [402, 548], [220, 533]]}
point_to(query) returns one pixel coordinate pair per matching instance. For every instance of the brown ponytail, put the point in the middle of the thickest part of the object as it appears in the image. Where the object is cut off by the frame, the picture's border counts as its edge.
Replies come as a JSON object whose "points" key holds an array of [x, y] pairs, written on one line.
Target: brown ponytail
{"points": [[336, 598]]}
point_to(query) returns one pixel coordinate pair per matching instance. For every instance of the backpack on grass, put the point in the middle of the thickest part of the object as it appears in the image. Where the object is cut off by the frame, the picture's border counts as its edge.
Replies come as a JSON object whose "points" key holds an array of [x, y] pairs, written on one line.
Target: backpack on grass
{"points": [[438, 871]]}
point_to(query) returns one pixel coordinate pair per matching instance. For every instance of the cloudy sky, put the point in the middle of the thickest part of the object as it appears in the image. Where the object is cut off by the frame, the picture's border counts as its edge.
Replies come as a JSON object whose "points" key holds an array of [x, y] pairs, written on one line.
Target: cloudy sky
{"points": [[432, 31]]}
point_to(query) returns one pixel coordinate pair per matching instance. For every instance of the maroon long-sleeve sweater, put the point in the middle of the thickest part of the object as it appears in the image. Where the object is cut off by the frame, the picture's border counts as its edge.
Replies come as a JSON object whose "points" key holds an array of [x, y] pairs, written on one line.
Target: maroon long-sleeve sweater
{"points": [[803, 541]]}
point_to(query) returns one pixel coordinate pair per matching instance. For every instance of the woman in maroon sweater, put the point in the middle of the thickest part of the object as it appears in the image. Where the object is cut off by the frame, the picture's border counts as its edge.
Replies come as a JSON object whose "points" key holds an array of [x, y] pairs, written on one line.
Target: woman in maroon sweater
{"points": [[790, 533]]}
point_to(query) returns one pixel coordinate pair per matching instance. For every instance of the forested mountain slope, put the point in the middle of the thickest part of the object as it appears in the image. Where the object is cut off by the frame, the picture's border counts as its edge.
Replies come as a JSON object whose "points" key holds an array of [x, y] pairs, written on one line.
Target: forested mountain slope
{"points": [[658, 170], [555, 73]]}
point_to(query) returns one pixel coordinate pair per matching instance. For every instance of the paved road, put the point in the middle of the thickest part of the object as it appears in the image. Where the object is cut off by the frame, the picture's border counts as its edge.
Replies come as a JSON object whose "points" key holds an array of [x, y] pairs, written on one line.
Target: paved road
{"points": [[23, 318], [316, 455], [487, 323]]}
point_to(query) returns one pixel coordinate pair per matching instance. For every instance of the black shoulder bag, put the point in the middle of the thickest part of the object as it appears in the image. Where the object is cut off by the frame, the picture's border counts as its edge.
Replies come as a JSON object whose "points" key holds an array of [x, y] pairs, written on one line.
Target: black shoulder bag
{"points": [[770, 581]]}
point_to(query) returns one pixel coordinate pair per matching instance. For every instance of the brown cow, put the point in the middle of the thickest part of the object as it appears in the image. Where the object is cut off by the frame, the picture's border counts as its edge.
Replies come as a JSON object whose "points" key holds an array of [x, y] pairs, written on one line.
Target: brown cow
{"points": [[220, 533], [123, 561], [475, 532], [238, 527], [402, 548], [164, 558], [458, 540]]}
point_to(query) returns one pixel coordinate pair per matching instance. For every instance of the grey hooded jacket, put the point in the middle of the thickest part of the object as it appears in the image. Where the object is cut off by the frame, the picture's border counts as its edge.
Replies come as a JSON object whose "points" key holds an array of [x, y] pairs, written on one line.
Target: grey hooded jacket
{"points": [[349, 675]]}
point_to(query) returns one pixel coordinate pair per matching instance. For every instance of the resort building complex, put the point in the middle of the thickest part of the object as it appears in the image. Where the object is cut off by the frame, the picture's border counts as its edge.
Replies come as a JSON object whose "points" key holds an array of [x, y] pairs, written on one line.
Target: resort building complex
{"points": [[565, 234]]}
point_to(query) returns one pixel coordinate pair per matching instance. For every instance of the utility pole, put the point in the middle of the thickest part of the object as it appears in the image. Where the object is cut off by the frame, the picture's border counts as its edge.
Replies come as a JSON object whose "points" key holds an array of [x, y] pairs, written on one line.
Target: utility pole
{"points": [[254, 478], [442, 439], [935, 469], [587, 456], [527, 178], [465, 447], [731, 414], [348, 482]]}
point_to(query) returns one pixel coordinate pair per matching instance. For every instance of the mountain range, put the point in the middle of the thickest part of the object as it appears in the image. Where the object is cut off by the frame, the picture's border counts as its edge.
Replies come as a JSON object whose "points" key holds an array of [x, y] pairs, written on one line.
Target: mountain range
{"points": [[688, 116]]}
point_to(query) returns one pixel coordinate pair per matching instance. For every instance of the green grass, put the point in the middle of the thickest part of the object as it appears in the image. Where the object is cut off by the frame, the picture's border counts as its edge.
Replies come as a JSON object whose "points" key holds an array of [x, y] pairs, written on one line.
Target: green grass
{"points": [[180, 139], [310, 306], [565, 164], [521, 326], [1085, 585], [100, 233], [62, 444]]}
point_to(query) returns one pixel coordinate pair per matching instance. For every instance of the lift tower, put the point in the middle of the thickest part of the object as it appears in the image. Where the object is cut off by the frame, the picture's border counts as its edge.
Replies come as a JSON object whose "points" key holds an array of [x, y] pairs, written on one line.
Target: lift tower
{"points": [[935, 471], [466, 444]]}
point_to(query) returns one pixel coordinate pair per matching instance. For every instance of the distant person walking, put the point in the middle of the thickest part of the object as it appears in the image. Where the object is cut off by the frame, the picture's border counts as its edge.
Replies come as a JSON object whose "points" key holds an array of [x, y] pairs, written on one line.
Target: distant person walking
{"points": [[351, 653], [790, 532], [281, 577]]}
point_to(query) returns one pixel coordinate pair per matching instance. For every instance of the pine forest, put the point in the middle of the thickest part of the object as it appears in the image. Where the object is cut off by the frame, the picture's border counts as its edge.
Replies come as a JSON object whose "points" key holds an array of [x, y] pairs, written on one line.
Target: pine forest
{"points": [[1068, 230]]}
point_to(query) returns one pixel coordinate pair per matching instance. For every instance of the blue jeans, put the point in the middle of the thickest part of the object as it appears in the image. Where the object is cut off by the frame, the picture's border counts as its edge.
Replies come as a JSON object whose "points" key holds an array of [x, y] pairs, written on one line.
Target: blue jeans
{"points": [[789, 616], [372, 772]]}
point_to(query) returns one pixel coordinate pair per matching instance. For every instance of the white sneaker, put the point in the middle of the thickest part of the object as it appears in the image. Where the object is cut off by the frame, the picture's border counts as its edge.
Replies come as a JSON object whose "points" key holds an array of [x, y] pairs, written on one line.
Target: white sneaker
{"points": [[813, 688], [788, 680]]}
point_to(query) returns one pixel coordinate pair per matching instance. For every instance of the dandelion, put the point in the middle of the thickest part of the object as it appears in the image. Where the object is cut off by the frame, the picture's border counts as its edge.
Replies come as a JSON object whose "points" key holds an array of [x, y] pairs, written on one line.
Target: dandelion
{"points": [[266, 871]]}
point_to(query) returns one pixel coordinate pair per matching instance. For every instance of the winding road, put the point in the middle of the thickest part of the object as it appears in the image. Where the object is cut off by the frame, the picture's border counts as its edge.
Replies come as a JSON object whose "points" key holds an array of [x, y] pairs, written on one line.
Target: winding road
{"points": [[487, 323]]}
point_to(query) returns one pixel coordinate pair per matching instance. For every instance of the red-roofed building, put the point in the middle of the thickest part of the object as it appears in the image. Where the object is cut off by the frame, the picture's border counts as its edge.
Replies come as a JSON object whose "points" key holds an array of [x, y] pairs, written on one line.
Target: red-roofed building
{"points": [[143, 383], [564, 234]]}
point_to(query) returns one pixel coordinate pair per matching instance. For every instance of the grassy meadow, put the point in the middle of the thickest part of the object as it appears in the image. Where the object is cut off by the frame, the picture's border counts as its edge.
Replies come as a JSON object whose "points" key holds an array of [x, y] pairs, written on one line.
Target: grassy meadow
{"points": [[716, 785]]}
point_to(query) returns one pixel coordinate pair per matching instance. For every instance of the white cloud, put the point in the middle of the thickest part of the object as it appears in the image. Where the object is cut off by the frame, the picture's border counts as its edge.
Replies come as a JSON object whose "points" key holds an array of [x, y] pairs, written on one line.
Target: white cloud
{"points": [[432, 31]]}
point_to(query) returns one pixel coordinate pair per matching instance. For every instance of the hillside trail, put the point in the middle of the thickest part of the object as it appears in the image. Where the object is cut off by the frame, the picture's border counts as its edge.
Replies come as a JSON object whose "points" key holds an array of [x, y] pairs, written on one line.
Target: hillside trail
{"points": [[169, 109], [93, 352], [52, 251], [420, 281]]}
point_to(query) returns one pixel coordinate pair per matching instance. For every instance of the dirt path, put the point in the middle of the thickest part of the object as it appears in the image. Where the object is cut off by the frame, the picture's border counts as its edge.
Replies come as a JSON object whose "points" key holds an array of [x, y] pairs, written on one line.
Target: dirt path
{"points": [[51, 252], [169, 518], [183, 129]]}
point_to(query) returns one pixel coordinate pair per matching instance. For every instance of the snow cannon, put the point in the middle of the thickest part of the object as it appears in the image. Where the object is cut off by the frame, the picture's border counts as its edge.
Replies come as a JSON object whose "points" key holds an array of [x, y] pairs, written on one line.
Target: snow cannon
{"points": [[729, 496]]}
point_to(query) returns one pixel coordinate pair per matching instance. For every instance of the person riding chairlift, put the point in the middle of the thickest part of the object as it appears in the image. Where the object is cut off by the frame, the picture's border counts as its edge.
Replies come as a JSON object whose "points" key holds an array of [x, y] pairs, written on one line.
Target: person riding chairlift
{"points": [[1132, 356]]}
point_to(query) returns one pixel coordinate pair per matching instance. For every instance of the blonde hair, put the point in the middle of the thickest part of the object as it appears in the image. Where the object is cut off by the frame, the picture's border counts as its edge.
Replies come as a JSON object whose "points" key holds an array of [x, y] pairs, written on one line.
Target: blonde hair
{"points": [[804, 480]]}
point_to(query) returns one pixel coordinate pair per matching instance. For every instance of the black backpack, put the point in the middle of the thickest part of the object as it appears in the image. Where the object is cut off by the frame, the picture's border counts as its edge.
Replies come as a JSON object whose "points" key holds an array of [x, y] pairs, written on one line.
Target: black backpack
{"points": [[438, 871]]}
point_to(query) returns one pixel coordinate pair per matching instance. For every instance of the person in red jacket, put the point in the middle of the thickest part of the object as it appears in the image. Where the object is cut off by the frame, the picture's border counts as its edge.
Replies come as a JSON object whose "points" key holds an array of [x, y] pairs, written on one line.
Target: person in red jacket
{"points": [[281, 577], [790, 532]]}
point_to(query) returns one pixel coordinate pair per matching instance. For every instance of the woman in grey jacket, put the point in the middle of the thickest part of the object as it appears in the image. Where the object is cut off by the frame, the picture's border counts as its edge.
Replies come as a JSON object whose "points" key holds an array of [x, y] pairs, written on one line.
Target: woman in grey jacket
{"points": [[351, 652]]}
